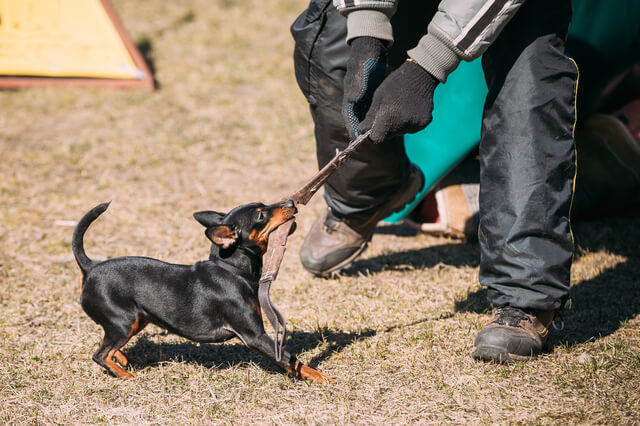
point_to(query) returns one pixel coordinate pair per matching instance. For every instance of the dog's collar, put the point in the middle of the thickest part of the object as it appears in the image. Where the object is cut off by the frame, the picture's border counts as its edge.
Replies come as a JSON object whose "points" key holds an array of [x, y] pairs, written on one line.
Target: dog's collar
{"points": [[233, 269], [255, 252], [254, 255]]}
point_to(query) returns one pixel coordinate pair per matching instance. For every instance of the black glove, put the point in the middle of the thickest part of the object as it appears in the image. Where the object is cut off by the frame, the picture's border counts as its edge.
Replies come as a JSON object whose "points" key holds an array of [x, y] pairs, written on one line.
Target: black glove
{"points": [[402, 104], [365, 71]]}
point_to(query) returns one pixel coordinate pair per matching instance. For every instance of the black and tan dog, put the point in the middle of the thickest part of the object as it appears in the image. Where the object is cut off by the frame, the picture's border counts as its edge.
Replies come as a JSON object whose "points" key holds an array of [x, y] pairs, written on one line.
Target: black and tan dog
{"points": [[210, 301]]}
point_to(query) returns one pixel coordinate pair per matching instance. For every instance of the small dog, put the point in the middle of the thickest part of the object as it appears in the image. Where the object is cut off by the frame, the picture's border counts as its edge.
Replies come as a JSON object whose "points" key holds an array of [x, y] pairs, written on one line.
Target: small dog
{"points": [[210, 301]]}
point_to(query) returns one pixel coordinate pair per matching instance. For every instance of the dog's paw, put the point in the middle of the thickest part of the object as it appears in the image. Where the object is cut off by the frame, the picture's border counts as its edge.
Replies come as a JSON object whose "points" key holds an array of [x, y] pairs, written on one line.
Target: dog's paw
{"points": [[314, 375]]}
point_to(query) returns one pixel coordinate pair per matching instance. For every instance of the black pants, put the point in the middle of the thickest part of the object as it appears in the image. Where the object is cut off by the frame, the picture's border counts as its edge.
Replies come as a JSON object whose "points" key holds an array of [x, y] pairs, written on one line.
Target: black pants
{"points": [[527, 151]]}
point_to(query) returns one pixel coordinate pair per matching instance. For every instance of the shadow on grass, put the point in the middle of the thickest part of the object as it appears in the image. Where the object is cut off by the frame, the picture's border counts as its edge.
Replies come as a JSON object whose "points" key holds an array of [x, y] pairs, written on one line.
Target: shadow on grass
{"points": [[397, 229], [145, 47], [454, 254], [599, 304], [145, 353]]}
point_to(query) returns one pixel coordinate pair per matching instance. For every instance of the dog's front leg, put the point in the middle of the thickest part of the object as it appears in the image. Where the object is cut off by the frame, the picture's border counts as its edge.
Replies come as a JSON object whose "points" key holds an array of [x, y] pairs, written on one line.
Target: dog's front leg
{"points": [[262, 343]]}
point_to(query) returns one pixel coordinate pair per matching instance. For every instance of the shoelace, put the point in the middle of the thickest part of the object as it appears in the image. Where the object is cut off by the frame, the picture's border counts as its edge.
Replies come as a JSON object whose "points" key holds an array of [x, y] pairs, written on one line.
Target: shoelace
{"points": [[511, 316], [330, 223]]}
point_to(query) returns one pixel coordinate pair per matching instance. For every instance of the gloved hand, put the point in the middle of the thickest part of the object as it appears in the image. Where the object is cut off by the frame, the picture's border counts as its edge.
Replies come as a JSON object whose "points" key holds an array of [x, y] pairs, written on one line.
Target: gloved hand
{"points": [[365, 71], [402, 104]]}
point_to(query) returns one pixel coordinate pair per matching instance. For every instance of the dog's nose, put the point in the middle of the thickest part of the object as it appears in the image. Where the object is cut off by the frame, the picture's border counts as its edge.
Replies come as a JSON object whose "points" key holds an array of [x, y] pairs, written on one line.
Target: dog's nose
{"points": [[290, 204]]}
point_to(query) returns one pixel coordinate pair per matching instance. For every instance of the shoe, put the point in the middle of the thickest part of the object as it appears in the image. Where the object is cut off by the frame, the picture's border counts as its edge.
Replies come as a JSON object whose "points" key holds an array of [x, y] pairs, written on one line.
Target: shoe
{"points": [[512, 335], [334, 242]]}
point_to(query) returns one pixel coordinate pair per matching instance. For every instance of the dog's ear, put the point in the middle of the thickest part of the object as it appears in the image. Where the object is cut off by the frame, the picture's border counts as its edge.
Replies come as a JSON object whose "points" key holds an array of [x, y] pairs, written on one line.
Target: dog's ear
{"points": [[222, 235], [208, 218]]}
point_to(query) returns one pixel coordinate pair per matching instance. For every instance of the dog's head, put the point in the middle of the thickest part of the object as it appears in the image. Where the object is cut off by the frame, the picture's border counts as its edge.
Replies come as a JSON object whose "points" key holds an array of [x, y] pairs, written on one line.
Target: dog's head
{"points": [[245, 226]]}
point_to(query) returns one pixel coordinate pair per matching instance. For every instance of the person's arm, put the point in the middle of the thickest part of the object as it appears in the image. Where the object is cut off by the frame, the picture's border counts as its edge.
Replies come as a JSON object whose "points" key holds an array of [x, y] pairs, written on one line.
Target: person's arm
{"points": [[460, 30], [368, 18]]}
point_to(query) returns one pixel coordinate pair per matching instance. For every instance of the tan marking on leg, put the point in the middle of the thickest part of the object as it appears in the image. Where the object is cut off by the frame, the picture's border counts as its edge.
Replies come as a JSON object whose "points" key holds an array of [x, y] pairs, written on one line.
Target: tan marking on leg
{"points": [[136, 328], [117, 356], [115, 368], [302, 371], [120, 358]]}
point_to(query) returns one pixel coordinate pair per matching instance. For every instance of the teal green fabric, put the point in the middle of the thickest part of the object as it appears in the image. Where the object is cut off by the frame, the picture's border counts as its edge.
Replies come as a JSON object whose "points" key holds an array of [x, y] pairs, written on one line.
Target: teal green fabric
{"points": [[454, 131], [604, 40], [609, 27]]}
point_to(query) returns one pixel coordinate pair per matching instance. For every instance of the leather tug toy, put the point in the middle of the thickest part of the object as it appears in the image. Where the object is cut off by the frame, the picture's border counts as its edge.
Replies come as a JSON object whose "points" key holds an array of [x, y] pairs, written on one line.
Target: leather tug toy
{"points": [[278, 241]]}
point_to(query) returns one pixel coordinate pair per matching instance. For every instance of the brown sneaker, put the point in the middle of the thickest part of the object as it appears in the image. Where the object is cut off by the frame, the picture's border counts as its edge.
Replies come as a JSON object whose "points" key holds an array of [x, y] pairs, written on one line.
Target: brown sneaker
{"points": [[512, 335], [333, 243]]}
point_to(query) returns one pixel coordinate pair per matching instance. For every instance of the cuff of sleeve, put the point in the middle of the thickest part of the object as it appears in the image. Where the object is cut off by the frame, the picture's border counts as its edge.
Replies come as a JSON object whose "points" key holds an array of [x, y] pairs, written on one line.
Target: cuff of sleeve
{"points": [[369, 23], [435, 57]]}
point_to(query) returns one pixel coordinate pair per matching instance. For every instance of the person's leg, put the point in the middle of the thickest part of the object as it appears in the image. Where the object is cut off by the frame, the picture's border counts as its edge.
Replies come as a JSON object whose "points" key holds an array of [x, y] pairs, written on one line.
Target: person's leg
{"points": [[377, 178], [526, 179]]}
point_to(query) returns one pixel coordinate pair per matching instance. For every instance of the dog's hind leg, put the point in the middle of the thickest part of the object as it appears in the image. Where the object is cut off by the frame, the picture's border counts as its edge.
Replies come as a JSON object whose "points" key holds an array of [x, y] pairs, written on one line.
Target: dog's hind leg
{"points": [[136, 327], [116, 337], [106, 352], [120, 358]]}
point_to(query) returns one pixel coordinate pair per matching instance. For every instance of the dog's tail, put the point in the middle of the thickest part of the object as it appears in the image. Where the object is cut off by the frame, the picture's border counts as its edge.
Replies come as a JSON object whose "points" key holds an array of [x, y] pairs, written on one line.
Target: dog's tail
{"points": [[78, 235]]}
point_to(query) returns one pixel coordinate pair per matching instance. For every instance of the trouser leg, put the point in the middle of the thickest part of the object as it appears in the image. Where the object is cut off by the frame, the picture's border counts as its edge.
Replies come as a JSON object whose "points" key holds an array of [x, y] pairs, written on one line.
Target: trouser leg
{"points": [[321, 53], [528, 160]]}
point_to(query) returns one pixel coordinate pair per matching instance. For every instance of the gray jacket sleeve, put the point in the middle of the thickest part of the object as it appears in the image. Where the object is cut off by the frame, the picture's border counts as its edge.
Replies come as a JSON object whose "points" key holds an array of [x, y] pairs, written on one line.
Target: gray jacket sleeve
{"points": [[460, 29]]}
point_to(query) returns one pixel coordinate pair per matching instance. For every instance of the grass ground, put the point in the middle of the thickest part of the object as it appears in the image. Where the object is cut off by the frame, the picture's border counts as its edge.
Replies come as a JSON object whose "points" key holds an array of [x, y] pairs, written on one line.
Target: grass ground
{"points": [[229, 126]]}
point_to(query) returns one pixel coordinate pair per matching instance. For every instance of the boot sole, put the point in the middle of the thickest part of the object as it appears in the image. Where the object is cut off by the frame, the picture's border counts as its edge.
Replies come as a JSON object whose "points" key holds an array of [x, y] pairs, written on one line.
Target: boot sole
{"points": [[496, 354], [329, 272]]}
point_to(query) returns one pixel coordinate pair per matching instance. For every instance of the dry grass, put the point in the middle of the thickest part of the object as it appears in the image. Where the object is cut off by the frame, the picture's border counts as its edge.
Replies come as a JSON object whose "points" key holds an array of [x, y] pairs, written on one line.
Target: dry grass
{"points": [[229, 126]]}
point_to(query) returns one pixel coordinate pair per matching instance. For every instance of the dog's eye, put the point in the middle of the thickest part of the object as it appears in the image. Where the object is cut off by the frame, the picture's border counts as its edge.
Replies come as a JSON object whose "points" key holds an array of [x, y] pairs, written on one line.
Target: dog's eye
{"points": [[260, 215]]}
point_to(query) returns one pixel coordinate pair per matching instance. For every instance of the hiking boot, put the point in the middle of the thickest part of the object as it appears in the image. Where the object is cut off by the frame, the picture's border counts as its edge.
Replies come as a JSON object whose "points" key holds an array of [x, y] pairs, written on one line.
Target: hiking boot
{"points": [[334, 242], [512, 335]]}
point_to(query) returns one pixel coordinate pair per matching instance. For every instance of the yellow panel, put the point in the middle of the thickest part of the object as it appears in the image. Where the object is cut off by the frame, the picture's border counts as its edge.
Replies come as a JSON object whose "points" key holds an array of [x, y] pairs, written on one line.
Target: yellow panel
{"points": [[61, 38]]}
